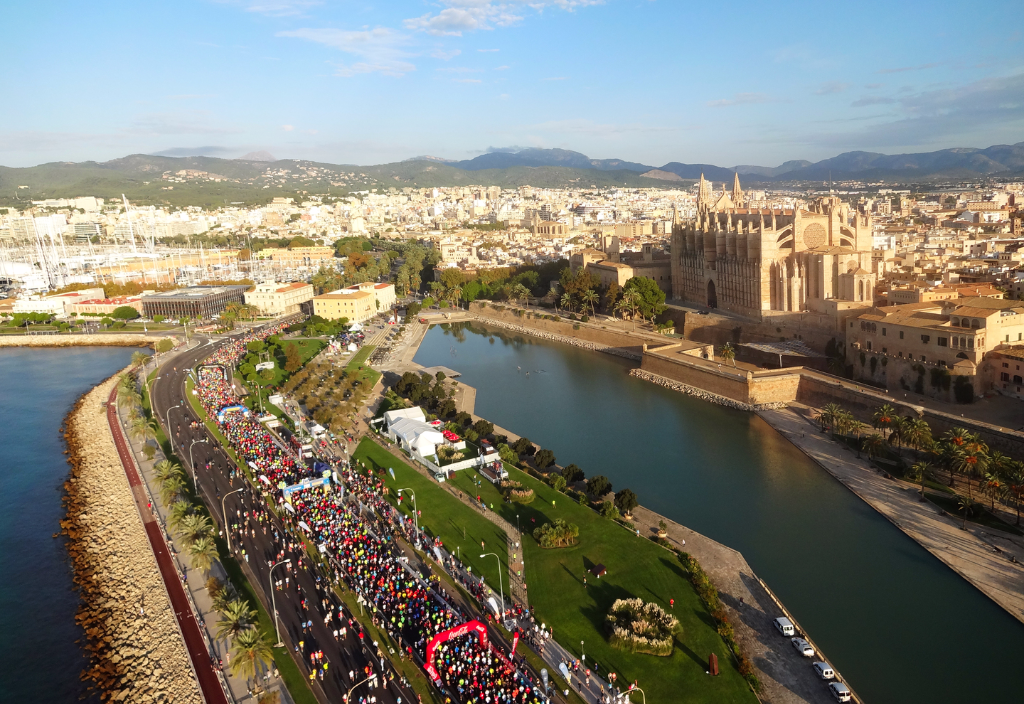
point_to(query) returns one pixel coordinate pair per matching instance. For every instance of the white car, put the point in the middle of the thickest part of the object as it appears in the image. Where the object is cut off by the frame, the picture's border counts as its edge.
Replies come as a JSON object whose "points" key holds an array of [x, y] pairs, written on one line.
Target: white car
{"points": [[803, 647], [840, 692], [824, 670]]}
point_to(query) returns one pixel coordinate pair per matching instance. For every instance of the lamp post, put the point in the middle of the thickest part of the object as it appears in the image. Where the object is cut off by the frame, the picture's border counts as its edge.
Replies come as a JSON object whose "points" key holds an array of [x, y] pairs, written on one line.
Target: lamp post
{"points": [[273, 602], [364, 681], [500, 588], [583, 655], [415, 515], [167, 419], [192, 463], [224, 515], [637, 689]]}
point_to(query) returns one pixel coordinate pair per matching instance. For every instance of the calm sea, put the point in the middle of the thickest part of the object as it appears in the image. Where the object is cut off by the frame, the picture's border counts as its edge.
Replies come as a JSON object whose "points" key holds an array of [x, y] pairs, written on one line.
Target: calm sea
{"points": [[41, 660]]}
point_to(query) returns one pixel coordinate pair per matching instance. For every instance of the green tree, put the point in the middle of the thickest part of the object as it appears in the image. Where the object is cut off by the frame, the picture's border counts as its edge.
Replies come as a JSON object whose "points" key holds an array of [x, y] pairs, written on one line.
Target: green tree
{"points": [[292, 358], [483, 427], [195, 527], [249, 653], [883, 416], [651, 301], [626, 501], [235, 617], [598, 486], [572, 473], [728, 354], [875, 445], [203, 552], [545, 458], [124, 313], [589, 298], [611, 297]]}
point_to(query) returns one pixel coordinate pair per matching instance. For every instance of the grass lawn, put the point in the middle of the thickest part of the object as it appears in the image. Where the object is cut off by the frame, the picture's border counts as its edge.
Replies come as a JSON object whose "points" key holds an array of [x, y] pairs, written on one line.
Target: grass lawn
{"points": [[366, 375], [636, 567]]}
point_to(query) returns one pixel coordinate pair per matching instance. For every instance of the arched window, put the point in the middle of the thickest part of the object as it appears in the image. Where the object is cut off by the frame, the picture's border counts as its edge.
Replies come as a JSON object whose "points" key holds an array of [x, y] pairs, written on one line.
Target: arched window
{"points": [[860, 290]]}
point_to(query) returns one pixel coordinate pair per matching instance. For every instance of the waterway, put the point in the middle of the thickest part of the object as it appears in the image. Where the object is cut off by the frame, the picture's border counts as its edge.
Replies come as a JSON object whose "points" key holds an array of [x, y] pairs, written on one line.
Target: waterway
{"points": [[902, 626], [41, 660]]}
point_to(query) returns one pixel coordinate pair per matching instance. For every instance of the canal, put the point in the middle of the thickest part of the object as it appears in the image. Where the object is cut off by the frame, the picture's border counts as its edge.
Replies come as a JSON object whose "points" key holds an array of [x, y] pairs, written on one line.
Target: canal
{"points": [[898, 623]]}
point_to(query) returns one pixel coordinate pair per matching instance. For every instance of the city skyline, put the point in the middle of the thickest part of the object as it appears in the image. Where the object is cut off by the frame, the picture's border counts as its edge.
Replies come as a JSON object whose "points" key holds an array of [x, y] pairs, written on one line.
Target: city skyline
{"points": [[367, 84]]}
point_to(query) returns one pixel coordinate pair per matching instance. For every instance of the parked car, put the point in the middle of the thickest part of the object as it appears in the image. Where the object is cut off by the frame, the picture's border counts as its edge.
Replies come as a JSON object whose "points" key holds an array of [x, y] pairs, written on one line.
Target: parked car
{"points": [[824, 670], [803, 647], [784, 626], [840, 692]]}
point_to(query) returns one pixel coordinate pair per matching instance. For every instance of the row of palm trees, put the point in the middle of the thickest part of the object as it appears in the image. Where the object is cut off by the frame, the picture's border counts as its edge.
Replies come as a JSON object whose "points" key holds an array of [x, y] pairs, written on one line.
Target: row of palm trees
{"points": [[958, 451], [251, 649]]}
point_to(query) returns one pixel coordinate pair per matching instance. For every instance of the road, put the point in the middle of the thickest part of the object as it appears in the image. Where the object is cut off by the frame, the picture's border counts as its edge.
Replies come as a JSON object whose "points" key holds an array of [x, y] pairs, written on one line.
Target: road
{"points": [[343, 656]]}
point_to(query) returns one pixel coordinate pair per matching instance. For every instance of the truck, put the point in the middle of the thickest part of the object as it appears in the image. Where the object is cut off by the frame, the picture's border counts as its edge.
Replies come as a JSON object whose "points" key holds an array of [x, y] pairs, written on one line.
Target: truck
{"points": [[494, 472]]}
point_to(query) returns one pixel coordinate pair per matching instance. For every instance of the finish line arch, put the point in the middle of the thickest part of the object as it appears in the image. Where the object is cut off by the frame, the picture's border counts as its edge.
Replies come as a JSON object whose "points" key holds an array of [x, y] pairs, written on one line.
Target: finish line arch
{"points": [[460, 630]]}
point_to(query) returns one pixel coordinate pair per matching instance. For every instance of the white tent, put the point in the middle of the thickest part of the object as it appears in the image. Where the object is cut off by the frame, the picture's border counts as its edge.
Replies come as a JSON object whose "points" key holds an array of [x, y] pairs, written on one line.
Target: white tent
{"points": [[355, 327], [415, 436], [415, 413]]}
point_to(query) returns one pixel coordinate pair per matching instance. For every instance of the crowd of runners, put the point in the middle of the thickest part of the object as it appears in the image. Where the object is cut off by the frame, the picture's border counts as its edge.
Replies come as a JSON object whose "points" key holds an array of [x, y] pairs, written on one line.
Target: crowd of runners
{"points": [[362, 549]]}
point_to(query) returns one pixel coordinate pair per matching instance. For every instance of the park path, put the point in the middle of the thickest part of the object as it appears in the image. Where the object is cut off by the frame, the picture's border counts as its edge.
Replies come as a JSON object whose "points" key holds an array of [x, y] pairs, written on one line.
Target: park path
{"points": [[195, 645], [981, 556]]}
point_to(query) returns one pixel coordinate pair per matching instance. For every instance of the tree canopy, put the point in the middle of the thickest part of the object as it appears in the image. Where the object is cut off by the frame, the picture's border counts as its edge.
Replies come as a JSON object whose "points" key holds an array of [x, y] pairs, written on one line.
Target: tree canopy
{"points": [[651, 299]]}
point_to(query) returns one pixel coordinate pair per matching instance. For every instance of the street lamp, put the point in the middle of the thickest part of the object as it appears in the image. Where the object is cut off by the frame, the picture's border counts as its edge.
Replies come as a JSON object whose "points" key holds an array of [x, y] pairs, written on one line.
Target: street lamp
{"points": [[637, 689], [224, 515], [500, 588], [273, 602], [167, 419], [192, 463], [364, 681], [583, 655], [415, 515]]}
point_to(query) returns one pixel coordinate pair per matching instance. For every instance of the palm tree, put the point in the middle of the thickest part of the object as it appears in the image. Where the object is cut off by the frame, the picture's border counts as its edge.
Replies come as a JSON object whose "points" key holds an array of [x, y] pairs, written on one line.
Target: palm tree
{"points": [[589, 298], [920, 470], [993, 486], [875, 445], [1015, 484], [126, 398], [236, 616], [728, 354], [171, 488], [567, 301], [203, 552], [846, 424], [970, 460], [195, 527], [139, 358], [898, 428], [828, 414], [126, 382], [144, 428], [918, 434], [882, 417], [180, 510], [166, 468], [250, 651], [964, 504]]}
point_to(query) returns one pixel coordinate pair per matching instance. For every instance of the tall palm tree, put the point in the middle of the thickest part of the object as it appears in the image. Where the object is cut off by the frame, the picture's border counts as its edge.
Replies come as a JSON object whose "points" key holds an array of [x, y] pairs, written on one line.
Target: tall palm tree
{"points": [[144, 428], [728, 354], [920, 470], [1015, 484], [203, 552], [589, 298], [195, 527], [171, 488], [250, 652], [126, 382], [899, 426], [882, 417], [875, 445], [235, 617], [128, 397], [918, 434], [567, 301], [167, 468], [179, 511], [993, 486], [965, 505], [970, 461], [828, 414], [139, 358]]}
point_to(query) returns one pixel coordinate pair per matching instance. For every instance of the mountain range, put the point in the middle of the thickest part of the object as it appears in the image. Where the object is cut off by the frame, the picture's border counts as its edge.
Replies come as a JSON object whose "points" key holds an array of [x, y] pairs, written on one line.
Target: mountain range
{"points": [[257, 177]]}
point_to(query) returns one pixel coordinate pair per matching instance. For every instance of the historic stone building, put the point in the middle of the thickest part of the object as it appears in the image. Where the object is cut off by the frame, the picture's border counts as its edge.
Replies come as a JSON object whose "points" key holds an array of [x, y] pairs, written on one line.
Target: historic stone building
{"points": [[752, 261]]}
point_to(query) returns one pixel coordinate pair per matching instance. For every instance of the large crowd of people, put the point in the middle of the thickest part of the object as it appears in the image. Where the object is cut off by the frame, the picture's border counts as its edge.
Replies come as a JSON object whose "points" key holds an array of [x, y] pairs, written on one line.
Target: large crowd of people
{"points": [[362, 549]]}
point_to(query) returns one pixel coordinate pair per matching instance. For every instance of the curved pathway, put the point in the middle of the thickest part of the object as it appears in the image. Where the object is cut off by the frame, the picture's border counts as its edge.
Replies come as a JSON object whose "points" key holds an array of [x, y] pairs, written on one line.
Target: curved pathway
{"points": [[210, 686]]}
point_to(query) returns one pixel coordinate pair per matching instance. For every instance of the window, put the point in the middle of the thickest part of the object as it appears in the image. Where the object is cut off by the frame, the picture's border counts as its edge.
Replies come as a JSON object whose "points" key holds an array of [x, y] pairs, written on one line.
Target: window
{"points": [[923, 358], [943, 341], [1004, 377], [925, 338], [885, 350], [1006, 365], [869, 345], [901, 334], [883, 332]]}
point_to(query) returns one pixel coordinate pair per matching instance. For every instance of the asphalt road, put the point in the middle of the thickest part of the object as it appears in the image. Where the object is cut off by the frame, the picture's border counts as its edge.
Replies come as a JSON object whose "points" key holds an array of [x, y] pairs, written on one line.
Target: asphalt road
{"points": [[347, 655]]}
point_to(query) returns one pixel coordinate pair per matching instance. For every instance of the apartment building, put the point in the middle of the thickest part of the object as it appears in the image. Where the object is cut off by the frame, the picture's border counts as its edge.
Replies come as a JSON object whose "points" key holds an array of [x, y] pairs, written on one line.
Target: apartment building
{"points": [[273, 298], [357, 306], [383, 293]]}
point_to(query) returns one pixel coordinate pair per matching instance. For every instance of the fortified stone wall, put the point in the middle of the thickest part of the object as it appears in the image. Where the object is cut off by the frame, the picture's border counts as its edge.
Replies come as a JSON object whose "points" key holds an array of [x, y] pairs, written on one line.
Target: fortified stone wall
{"points": [[811, 328], [611, 338], [732, 384]]}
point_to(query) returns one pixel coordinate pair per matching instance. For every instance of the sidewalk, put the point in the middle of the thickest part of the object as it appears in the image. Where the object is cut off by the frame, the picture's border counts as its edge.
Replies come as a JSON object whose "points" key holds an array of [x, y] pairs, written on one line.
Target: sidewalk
{"points": [[979, 555], [194, 581]]}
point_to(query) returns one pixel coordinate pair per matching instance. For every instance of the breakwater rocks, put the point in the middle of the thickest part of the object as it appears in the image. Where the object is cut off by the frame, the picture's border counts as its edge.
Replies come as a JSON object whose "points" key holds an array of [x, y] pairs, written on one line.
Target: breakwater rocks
{"points": [[701, 393], [136, 653], [575, 342], [74, 340]]}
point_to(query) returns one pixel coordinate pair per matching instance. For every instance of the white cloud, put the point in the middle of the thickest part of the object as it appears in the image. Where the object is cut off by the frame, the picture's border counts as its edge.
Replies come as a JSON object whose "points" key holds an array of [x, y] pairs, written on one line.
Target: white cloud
{"points": [[460, 16], [275, 8], [446, 55], [831, 87], [288, 128], [488, 51], [467, 80], [501, 68], [381, 49]]}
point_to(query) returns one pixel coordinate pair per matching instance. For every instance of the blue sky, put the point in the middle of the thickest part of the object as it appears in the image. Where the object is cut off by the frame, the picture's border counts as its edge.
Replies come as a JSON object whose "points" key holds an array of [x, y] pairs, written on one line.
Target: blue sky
{"points": [[366, 83]]}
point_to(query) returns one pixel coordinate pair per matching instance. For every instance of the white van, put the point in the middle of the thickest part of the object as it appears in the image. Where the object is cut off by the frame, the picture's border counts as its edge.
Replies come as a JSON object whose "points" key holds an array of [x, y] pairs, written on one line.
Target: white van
{"points": [[824, 670], [840, 692], [785, 626]]}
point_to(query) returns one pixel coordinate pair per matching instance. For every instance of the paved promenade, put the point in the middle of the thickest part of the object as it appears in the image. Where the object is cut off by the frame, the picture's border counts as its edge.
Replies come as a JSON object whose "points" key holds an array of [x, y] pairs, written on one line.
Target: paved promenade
{"points": [[979, 555]]}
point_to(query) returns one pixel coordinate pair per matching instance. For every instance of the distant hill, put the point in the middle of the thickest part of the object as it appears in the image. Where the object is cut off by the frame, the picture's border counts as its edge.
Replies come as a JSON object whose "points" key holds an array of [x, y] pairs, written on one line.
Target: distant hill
{"points": [[257, 156], [255, 178]]}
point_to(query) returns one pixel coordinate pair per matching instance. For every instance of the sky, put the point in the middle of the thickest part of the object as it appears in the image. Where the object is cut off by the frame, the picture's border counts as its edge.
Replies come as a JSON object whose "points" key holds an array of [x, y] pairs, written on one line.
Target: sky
{"points": [[344, 82]]}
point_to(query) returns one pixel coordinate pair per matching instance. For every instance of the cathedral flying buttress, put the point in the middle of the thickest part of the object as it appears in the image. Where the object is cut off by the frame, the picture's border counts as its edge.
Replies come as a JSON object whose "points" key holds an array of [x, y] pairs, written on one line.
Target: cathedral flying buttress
{"points": [[752, 261]]}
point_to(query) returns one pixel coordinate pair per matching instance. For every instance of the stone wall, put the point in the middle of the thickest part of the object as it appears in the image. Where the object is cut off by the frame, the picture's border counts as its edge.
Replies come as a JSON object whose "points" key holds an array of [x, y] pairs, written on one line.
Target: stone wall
{"points": [[532, 327], [813, 329], [700, 393]]}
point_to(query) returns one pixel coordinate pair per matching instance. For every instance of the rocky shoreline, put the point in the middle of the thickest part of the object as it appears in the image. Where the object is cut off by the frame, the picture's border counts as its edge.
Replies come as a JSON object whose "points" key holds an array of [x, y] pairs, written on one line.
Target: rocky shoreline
{"points": [[700, 393], [136, 652], [582, 344]]}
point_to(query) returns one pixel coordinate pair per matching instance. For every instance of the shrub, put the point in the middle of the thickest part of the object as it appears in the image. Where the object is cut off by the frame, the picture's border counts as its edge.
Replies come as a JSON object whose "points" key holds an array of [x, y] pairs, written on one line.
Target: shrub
{"points": [[557, 535], [641, 627], [572, 473], [483, 427], [515, 491], [585, 319], [507, 454], [557, 482], [609, 511]]}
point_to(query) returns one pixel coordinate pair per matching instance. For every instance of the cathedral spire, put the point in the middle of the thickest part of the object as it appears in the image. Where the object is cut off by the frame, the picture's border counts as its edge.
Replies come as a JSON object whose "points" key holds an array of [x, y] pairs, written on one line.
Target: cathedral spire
{"points": [[737, 192]]}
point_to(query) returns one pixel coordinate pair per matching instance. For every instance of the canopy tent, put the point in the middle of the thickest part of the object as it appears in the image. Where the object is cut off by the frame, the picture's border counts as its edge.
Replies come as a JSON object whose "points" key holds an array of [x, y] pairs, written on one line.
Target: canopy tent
{"points": [[415, 436]]}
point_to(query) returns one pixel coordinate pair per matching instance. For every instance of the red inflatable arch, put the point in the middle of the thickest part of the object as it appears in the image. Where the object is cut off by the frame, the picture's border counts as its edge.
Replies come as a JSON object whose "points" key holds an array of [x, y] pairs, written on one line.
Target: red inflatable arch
{"points": [[460, 630]]}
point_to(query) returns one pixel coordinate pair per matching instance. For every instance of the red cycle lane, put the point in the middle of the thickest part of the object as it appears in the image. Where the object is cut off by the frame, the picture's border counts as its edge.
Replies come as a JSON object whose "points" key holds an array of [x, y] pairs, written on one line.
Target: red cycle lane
{"points": [[210, 685]]}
